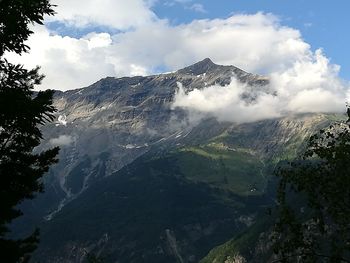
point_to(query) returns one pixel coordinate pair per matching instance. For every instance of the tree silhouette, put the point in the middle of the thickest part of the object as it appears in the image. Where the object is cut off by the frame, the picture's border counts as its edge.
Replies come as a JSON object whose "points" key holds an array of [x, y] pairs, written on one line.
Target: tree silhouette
{"points": [[22, 112], [314, 201]]}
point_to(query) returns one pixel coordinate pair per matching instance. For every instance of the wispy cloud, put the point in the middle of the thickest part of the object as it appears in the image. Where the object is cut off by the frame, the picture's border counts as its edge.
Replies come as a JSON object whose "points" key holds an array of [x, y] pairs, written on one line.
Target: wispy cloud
{"points": [[198, 8], [62, 140], [307, 25], [188, 5]]}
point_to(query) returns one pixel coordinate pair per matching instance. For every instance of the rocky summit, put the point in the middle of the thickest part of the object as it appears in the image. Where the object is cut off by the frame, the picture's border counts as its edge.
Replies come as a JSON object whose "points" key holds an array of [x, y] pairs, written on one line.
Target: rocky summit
{"points": [[138, 182]]}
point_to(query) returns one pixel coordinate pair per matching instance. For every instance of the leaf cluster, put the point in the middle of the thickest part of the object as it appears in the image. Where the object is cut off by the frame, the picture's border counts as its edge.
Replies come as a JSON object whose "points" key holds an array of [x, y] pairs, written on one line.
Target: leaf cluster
{"points": [[16, 16], [314, 201]]}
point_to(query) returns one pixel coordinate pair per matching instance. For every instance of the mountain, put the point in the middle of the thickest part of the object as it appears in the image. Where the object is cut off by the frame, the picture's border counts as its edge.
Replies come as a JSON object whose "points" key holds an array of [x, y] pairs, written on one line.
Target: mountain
{"points": [[107, 125], [138, 182]]}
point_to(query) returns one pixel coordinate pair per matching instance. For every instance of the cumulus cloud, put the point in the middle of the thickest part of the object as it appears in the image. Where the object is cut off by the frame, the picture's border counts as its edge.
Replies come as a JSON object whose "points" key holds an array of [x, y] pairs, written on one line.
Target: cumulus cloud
{"points": [[62, 140], [67, 63], [256, 43]]}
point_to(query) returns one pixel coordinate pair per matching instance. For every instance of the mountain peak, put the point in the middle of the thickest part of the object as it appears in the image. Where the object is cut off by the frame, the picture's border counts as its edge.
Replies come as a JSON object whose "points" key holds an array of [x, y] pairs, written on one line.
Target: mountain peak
{"points": [[200, 67], [206, 61]]}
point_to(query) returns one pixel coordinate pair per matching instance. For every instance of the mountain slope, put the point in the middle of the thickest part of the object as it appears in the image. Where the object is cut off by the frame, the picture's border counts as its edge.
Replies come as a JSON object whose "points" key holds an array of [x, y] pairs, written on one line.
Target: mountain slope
{"points": [[147, 212], [138, 182], [175, 204]]}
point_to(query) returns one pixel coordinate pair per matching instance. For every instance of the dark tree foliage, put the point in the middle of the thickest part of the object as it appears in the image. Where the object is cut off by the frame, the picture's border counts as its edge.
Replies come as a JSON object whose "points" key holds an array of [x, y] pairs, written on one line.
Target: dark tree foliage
{"points": [[22, 112], [314, 201], [91, 258]]}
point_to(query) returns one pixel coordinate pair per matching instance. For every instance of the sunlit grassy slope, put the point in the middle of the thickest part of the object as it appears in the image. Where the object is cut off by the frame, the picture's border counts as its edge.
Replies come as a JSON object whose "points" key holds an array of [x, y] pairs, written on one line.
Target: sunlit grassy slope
{"points": [[238, 170], [242, 244]]}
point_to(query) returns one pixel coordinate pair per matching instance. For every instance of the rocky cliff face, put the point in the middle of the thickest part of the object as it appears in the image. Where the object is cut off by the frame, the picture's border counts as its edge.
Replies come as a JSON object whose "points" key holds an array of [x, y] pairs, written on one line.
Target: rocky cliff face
{"points": [[139, 183]]}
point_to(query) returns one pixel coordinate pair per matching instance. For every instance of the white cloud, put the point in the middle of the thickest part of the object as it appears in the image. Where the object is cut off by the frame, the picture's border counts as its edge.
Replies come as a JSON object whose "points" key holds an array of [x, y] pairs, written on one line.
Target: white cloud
{"points": [[119, 14], [225, 104], [256, 43], [68, 63], [311, 85], [62, 140], [98, 40]]}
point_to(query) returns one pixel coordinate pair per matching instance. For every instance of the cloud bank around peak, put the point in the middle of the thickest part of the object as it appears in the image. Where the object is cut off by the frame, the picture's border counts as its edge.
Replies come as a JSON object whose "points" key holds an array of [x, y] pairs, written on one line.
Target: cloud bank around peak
{"points": [[310, 85]]}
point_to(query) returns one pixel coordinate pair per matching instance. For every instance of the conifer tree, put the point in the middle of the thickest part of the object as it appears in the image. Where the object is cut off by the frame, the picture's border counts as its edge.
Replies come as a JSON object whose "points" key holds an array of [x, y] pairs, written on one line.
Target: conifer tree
{"points": [[22, 113]]}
